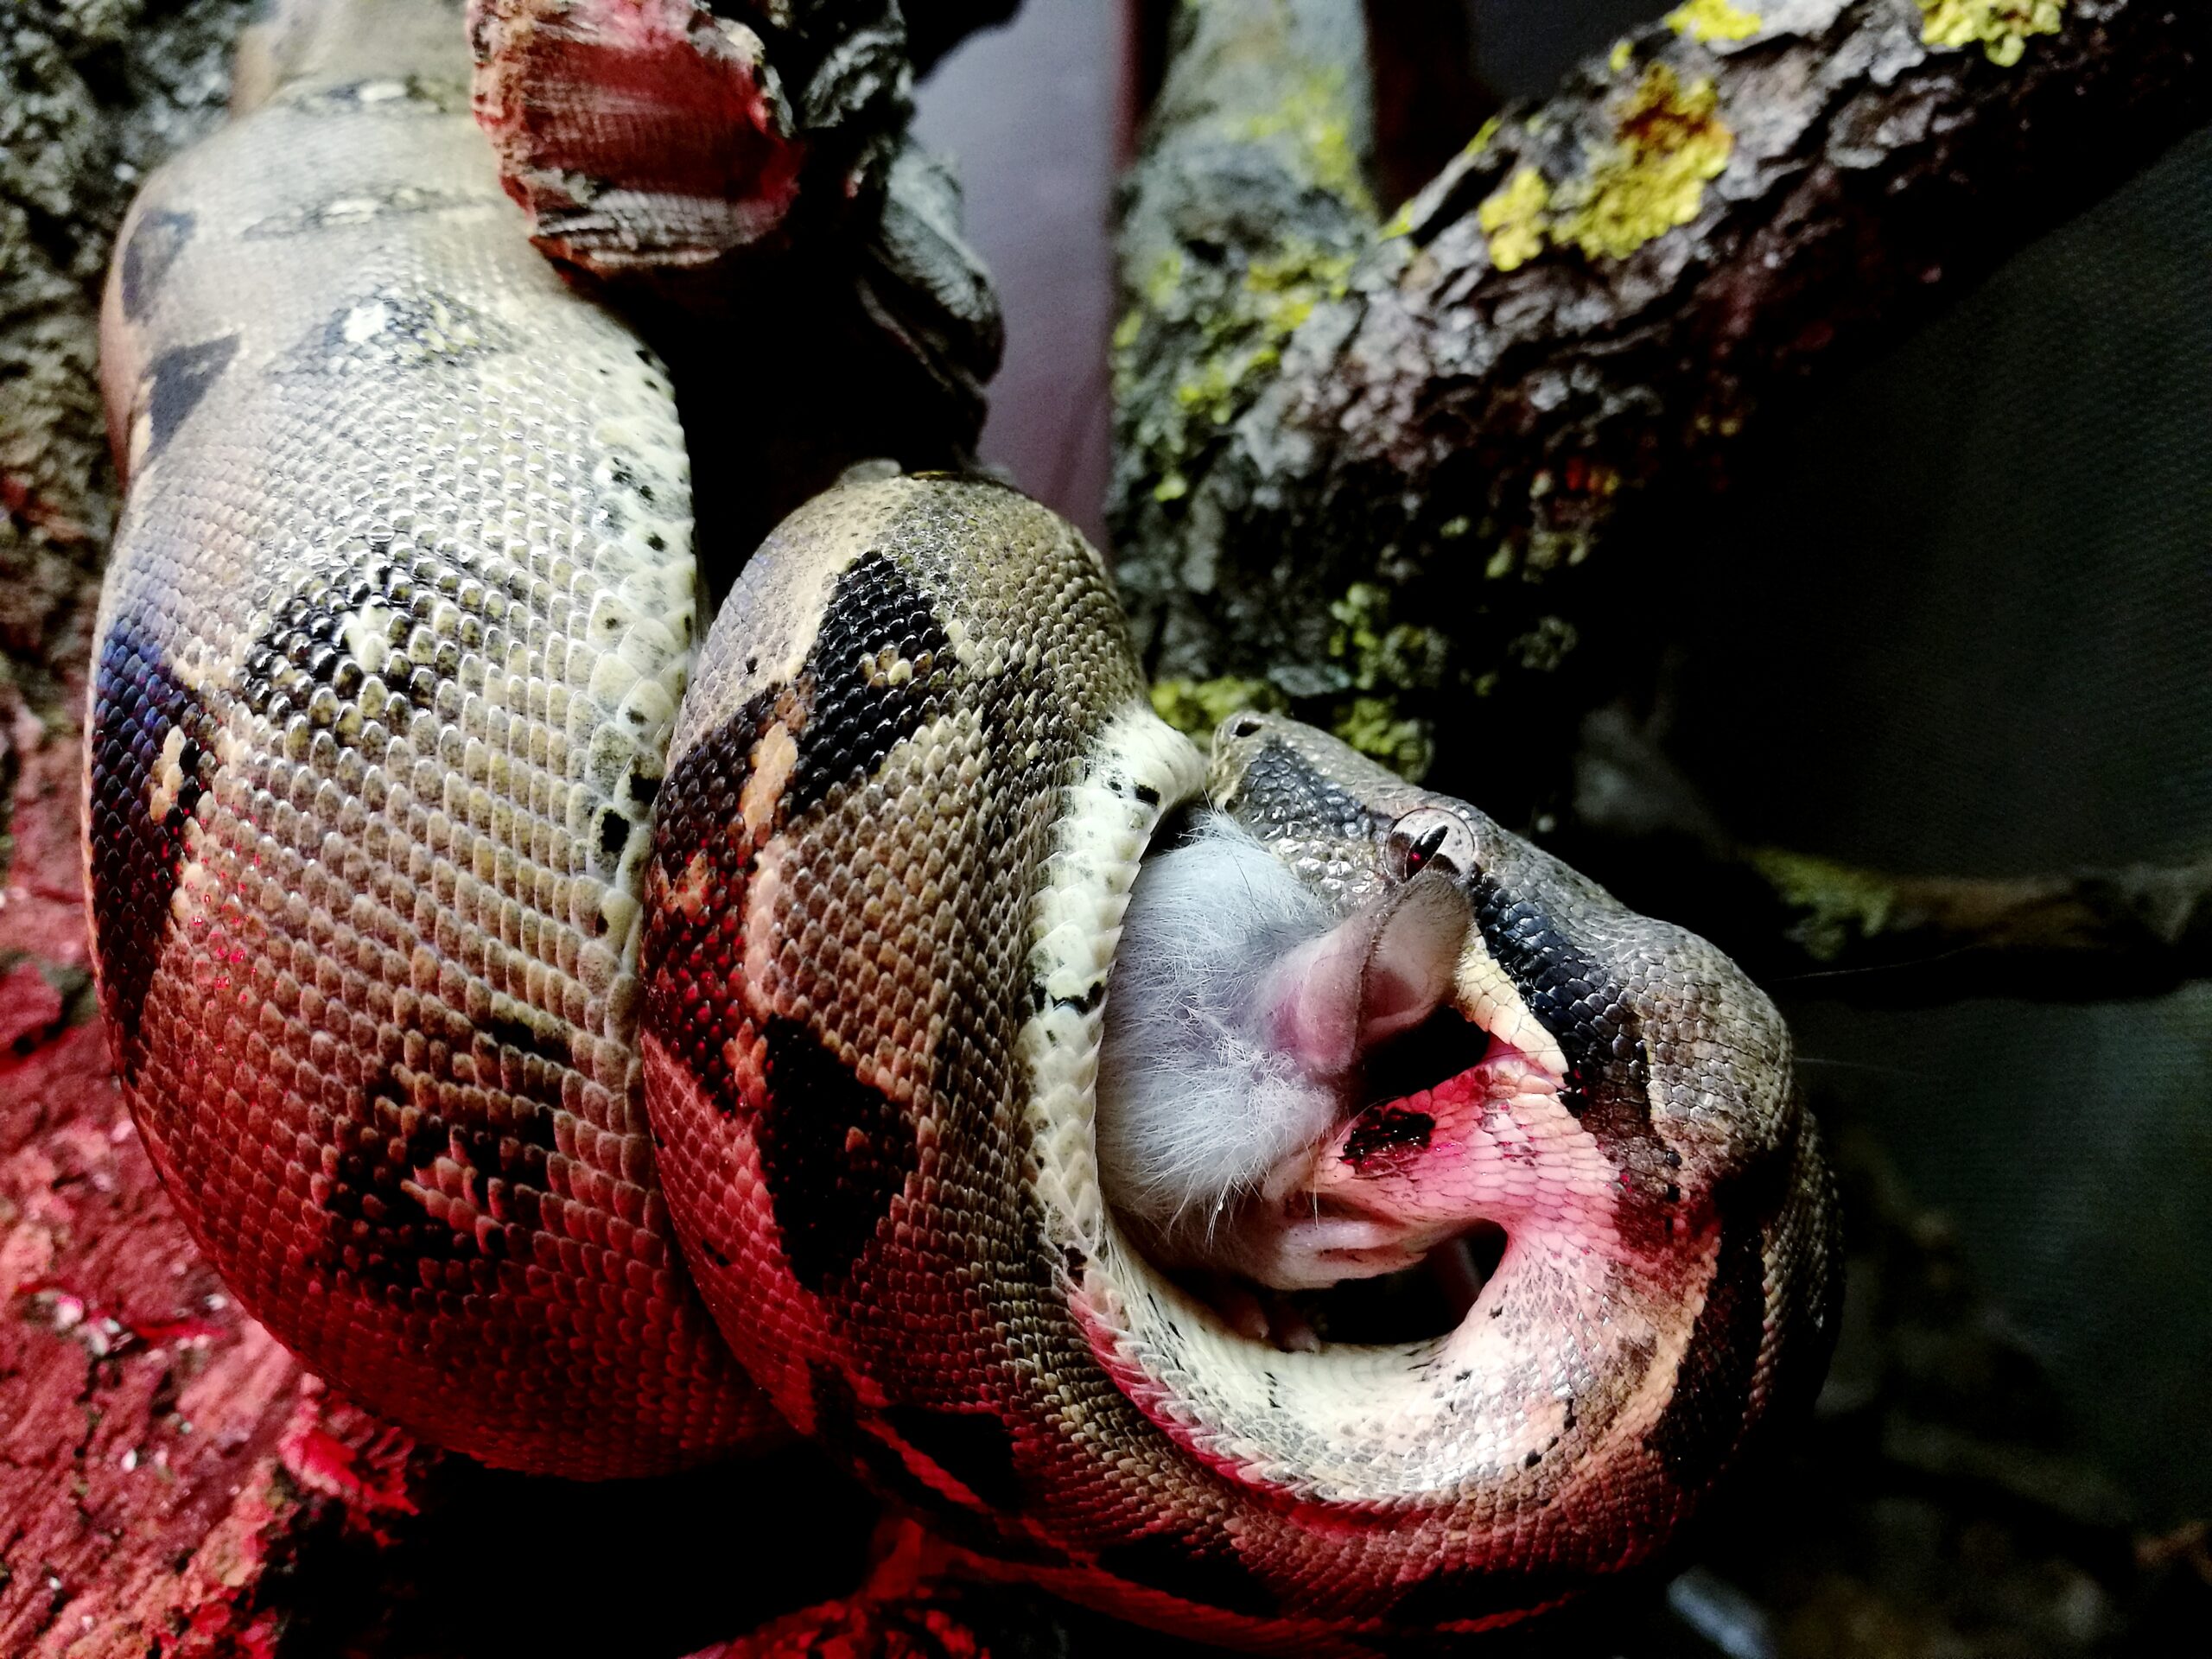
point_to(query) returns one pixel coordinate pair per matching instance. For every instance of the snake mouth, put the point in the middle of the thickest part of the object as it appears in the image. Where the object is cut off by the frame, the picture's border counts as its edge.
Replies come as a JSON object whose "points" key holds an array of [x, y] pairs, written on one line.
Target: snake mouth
{"points": [[1445, 1045], [1384, 1234], [1276, 1150], [1424, 1301]]}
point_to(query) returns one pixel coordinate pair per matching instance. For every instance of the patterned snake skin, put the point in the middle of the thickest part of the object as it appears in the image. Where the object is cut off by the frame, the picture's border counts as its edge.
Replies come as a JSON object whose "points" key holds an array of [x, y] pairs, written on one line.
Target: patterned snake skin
{"points": [[414, 888], [391, 642]]}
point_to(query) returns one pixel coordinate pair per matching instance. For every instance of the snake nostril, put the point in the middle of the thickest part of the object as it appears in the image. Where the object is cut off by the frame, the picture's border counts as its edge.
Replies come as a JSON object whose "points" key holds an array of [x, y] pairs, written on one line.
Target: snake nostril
{"points": [[1244, 725]]}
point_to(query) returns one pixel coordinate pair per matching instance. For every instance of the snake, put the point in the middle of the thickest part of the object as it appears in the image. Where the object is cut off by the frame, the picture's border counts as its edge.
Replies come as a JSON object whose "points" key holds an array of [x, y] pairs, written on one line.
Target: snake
{"points": [[601, 1049]]}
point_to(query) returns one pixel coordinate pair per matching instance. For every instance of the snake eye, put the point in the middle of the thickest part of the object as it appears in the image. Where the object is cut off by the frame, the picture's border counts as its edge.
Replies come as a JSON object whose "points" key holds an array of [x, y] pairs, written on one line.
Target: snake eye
{"points": [[1427, 838]]}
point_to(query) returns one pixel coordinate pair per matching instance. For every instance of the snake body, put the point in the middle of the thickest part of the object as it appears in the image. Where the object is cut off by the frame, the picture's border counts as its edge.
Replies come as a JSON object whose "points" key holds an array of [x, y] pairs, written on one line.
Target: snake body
{"points": [[398, 613], [428, 859]]}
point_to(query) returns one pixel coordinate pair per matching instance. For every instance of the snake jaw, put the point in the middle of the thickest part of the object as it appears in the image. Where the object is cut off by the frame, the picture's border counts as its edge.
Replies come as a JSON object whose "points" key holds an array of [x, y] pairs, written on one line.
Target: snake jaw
{"points": [[1374, 1006], [1408, 1175]]}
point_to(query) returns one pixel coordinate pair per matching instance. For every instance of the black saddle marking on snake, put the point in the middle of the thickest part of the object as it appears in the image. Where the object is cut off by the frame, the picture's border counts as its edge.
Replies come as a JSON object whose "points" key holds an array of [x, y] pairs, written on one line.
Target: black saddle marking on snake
{"points": [[302, 646], [381, 1233], [177, 380], [1277, 774], [136, 849], [385, 1233], [855, 717], [147, 256], [1712, 1394], [1580, 1005], [1705, 1421], [834, 1151], [393, 330]]}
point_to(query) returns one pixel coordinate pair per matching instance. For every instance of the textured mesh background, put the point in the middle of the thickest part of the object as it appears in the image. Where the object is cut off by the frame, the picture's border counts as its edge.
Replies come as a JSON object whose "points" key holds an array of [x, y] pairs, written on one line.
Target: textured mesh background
{"points": [[1956, 619]]}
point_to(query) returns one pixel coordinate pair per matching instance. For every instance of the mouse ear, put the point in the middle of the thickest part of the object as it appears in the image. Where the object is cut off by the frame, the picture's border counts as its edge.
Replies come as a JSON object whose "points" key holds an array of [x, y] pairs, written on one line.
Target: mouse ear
{"points": [[1381, 970], [1415, 957]]}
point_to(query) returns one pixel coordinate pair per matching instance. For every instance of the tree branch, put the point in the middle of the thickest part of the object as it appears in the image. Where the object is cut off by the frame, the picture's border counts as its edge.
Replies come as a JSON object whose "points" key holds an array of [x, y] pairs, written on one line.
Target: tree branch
{"points": [[1400, 487], [1793, 919]]}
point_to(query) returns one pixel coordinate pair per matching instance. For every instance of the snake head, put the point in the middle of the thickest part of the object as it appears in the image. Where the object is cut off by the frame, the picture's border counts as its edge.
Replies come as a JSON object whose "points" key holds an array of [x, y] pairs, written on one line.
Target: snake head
{"points": [[1481, 1039]]}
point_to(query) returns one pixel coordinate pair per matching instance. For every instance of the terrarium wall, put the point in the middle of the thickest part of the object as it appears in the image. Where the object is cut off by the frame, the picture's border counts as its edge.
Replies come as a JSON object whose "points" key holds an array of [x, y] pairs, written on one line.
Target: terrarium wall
{"points": [[1953, 621]]}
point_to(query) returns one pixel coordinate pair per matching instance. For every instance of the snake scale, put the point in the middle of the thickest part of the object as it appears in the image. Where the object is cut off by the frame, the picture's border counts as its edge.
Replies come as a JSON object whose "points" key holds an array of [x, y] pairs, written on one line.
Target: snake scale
{"points": [[595, 1050]]}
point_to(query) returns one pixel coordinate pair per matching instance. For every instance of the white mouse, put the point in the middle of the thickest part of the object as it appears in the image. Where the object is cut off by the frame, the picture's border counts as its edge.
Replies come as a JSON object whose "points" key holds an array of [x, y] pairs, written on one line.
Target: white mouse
{"points": [[1237, 1016]]}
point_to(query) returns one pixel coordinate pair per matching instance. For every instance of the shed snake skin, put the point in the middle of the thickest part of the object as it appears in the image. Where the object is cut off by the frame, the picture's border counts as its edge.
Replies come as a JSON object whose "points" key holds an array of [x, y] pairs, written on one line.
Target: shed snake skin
{"points": [[594, 1051]]}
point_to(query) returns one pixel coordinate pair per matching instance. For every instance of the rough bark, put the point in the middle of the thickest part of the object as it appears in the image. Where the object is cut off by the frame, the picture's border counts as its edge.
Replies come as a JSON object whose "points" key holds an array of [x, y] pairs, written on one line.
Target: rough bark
{"points": [[94, 93], [1381, 472], [165, 1464]]}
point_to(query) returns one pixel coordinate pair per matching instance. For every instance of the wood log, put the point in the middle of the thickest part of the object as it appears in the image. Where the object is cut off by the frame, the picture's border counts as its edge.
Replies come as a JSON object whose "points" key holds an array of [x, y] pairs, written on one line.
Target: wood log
{"points": [[1380, 472]]}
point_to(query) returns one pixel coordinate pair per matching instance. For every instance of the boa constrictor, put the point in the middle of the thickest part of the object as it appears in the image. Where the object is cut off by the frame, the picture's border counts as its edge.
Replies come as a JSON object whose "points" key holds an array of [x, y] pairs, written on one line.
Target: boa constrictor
{"points": [[408, 801]]}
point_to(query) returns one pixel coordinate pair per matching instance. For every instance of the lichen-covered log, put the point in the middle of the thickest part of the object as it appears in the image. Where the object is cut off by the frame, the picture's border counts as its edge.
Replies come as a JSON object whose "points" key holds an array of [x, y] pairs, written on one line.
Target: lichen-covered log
{"points": [[92, 94], [1247, 215], [2132, 931], [1387, 472]]}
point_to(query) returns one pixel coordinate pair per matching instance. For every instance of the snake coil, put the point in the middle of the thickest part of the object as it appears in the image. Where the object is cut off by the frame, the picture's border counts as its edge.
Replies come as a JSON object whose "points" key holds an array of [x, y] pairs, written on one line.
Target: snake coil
{"points": [[429, 862]]}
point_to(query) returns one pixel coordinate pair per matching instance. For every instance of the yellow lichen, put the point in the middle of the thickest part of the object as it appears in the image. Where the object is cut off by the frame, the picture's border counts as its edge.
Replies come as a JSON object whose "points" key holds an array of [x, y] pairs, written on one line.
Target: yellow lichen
{"points": [[1622, 55], [1242, 323], [1372, 726], [1670, 139], [1515, 218], [1289, 283], [1210, 389], [1712, 20], [1835, 904], [1195, 706], [1278, 293], [1167, 272], [1378, 653], [2000, 27], [1313, 118]]}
